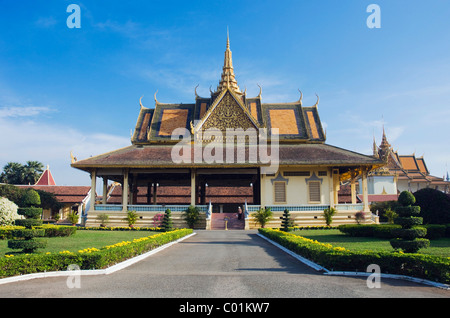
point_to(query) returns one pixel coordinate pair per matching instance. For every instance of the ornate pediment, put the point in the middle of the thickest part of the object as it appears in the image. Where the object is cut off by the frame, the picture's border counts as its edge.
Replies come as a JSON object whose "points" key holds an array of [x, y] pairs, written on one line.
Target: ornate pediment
{"points": [[226, 114]]}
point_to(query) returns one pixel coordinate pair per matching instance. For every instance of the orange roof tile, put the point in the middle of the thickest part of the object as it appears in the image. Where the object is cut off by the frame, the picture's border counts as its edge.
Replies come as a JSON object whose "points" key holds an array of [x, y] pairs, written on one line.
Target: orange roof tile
{"points": [[172, 119], [284, 120]]}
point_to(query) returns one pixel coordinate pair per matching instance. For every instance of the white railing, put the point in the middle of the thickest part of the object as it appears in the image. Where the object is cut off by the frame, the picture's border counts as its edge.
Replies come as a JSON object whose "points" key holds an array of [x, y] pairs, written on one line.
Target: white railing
{"points": [[350, 207], [147, 208], [297, 208], [108, 207]]}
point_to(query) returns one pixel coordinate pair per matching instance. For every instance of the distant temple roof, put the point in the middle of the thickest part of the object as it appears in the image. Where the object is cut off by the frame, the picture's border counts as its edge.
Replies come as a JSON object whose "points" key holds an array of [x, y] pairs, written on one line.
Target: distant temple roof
{"points": [[406, 167], [46, 178]]}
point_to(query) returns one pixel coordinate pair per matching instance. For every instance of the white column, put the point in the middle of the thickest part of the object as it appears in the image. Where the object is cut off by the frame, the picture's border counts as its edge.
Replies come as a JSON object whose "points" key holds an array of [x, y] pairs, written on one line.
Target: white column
{"points": [[364, 190], [125, 190], [93, 189]]}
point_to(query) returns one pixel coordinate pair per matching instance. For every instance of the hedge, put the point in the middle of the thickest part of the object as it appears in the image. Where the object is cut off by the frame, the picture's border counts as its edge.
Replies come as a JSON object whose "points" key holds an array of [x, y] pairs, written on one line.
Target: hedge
{"points": [[51, 230], [428, 267], [434, 231], [90, 258]]}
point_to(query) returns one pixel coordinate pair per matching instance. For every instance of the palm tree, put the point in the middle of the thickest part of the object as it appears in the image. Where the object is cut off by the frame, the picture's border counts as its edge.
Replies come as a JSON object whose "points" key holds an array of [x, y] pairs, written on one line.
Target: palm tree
{"points": [[32, 171], [12, 173], [16, 173]]}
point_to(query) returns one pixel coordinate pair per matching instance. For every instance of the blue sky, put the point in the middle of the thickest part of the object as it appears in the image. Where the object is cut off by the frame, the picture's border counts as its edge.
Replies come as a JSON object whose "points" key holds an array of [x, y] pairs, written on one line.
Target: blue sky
{"points": [[78, 90]]}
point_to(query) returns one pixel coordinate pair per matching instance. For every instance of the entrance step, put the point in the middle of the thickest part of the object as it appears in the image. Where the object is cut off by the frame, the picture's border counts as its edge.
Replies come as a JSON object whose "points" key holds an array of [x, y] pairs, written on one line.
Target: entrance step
{"points": [[233, 223]]}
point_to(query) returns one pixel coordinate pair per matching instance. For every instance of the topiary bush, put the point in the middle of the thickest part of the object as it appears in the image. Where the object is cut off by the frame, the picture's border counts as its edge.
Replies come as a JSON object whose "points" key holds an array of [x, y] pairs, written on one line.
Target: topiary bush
{"points": [[167, 224], [25, 238], [410, 237], [286, 221]]}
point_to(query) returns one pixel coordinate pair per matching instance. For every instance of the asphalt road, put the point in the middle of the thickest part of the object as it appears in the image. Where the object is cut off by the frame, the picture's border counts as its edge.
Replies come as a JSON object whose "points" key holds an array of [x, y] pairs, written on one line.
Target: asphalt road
{"points": [[219, 264]]}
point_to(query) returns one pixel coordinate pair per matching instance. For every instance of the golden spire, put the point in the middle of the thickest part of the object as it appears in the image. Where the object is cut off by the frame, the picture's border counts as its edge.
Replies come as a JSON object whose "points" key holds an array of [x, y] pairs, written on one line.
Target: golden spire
{"points": [[228, 78]]}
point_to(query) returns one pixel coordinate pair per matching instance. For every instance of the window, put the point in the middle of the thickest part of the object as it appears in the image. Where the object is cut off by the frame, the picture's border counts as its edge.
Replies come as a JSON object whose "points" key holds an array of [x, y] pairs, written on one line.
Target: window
{"points": [[314, 191], [280, 191]]}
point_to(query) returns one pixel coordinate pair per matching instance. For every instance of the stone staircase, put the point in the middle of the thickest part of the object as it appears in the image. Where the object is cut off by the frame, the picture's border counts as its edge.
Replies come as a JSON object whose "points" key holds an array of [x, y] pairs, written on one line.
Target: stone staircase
{"points": [[218, 221]]}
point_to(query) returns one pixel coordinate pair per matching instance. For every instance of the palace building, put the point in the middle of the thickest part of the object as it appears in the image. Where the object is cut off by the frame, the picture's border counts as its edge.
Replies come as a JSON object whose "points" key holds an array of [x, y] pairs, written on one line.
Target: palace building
{"points": [[225, 151]]}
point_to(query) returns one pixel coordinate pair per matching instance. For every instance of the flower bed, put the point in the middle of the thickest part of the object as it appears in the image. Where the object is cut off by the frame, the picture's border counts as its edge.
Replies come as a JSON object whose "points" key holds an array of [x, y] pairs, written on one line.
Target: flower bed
{"points": [[429, 267], [89, 258]]}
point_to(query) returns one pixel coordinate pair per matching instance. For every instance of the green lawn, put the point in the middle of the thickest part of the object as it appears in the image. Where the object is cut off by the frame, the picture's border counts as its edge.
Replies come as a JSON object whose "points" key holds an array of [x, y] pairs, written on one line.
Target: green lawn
{"points": [[82, 239], [439, 247]]}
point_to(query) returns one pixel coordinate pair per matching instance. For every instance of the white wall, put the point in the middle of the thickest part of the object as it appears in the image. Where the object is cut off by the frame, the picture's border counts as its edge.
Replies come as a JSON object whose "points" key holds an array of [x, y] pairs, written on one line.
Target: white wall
{"points": [[296, 188]]}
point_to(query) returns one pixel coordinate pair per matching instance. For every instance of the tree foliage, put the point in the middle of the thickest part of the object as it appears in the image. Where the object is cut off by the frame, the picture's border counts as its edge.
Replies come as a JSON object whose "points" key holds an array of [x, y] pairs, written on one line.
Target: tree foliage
{"points": [[434, 206], [17, 173]]}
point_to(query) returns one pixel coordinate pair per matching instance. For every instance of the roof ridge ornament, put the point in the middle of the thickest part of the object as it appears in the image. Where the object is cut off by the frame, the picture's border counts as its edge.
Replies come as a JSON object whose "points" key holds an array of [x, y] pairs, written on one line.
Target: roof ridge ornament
{"points": [[317, 102]]}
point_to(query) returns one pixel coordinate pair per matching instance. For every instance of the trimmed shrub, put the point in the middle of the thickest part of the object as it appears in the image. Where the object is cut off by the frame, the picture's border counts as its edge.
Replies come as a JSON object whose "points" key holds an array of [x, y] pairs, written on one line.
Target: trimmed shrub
{"points": [[52, 230], [25, 238], [286, 221], [167, 224], [409, 237]]}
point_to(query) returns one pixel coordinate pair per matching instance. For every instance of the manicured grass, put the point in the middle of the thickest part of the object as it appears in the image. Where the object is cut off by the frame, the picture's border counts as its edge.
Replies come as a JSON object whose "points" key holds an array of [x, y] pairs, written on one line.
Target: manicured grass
{"points": [[82, 239], [439, 247]]}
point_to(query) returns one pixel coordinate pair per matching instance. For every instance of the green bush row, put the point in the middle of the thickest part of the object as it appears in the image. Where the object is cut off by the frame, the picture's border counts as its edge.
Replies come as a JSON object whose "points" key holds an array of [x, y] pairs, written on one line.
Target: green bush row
{"points": [[86, 259], [434, 231], [50, 230], [428, 267]]}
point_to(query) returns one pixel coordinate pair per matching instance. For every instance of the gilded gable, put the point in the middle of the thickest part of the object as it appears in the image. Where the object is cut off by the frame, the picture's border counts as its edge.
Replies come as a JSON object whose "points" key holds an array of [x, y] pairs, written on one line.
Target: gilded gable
{"points": [[228, 114]]}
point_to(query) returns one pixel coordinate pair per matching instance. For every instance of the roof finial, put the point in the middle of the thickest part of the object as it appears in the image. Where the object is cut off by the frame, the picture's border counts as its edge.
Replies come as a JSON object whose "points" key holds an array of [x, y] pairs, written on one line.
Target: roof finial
{"points": [[228, 39], [228, 79]]}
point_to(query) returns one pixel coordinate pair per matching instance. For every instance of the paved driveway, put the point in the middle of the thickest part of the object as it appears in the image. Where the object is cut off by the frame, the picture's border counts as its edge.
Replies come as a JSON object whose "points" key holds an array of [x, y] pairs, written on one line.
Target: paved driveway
{"points": [[226, 264]]}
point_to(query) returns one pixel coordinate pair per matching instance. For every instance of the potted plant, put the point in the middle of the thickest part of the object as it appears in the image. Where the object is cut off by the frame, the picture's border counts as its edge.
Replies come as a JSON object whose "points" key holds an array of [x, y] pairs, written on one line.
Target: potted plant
{"points": [[328, 214], [191, 216], [262, 216], [103, 218], [73, 218], [131, 218]]}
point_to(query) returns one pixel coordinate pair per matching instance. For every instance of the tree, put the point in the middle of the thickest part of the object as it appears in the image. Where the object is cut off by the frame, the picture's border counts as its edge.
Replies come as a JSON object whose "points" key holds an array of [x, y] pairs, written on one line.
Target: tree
{"points": [[410, 236], [16, 173]]}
